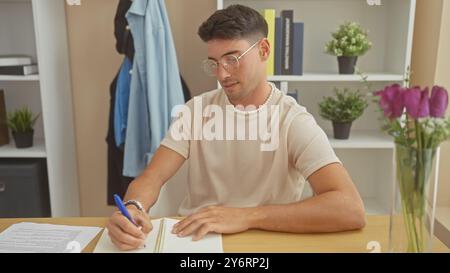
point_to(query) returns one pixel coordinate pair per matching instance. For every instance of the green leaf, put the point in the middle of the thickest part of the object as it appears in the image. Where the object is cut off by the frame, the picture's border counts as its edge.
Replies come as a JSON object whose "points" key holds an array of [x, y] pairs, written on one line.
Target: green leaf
{"points": [[345, 106], [348, 40], [22, 120]]}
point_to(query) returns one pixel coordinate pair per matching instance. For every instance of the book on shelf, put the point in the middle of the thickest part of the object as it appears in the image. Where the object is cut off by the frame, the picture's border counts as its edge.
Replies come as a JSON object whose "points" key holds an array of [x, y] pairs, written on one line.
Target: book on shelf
{"points": [[13, 60], [297, 66], [20, 70], [4, 137], [277, 45], [269, 15], [287, 17], [289, 45]]}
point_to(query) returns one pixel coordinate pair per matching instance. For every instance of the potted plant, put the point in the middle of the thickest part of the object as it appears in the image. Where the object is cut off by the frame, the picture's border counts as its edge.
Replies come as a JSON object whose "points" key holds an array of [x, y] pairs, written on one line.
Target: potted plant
{"points": [[21, 123], [348, 42], [342, 110]]}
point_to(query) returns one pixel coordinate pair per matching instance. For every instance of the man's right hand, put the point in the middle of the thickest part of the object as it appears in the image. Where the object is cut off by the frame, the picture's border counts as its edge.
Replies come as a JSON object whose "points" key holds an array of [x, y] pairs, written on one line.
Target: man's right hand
{"points": [[147, 186], [124, 234]]}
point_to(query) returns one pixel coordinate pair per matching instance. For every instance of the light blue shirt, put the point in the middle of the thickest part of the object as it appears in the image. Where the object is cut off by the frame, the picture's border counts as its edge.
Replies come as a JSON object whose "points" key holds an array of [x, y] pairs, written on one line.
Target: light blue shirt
{"points": [[155, 83]]}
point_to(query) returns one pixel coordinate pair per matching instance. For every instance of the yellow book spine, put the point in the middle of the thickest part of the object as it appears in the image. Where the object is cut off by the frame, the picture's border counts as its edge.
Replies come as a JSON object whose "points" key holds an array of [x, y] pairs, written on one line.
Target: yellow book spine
{"points": [[269, 15]]}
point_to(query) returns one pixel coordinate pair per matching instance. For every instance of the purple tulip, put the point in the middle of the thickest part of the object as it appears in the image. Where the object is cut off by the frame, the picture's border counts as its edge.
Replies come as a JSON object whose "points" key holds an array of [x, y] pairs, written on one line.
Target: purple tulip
{"points": [[438, 102], [424, 104], [391, 100], [417, 102], [411, 98]]}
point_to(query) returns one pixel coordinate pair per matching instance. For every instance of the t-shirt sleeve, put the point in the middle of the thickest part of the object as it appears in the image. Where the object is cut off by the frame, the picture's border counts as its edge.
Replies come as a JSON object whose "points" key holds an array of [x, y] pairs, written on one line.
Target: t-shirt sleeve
{"points": [[308, 145], [179, 146], [178, 136]]}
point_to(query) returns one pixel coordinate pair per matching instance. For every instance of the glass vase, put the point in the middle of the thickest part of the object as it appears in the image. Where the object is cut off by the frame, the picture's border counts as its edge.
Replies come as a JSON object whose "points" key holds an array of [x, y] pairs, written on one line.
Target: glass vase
{"points": [[414, 200]]}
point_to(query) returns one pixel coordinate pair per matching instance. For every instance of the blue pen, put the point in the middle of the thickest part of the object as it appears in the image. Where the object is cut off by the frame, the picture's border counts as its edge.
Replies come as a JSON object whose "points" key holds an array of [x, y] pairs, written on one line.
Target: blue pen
{"points": [[123, 209]]}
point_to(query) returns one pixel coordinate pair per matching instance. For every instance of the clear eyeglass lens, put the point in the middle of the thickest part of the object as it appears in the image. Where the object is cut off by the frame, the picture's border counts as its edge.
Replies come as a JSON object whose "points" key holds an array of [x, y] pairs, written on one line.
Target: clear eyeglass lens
{"points": [[210, 67], [230, 63]]}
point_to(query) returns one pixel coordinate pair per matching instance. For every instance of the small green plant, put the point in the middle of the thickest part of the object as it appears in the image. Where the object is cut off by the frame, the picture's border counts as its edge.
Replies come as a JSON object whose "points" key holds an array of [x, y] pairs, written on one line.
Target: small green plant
{"points": [[22, 120], [346, 106], [348, 40]]}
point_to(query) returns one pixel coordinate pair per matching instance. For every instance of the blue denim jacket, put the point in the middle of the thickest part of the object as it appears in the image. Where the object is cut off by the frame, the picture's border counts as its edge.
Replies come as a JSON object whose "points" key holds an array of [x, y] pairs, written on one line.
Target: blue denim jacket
{"points": [[155, 83], [121, 103]]}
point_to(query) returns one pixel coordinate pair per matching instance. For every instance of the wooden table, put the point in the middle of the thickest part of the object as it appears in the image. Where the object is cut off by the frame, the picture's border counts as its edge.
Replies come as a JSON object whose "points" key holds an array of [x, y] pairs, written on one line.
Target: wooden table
{"points": [[264, 241]]}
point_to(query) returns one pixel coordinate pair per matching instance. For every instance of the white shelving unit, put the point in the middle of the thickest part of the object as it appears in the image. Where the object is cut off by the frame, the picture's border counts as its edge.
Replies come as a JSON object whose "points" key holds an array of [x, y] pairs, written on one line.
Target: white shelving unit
{"points": [[38, 28], [316, 77], [442, 226], [368, 153]]}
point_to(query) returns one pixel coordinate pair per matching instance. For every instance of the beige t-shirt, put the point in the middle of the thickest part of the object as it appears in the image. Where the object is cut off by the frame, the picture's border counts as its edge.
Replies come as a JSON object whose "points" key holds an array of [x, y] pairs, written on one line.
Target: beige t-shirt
{"points": [[236, 169]]}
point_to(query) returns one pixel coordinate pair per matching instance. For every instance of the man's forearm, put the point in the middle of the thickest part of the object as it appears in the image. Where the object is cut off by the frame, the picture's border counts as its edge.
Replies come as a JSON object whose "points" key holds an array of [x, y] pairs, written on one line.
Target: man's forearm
{"points": [[328, 212], [145, 189], [147, 186]]}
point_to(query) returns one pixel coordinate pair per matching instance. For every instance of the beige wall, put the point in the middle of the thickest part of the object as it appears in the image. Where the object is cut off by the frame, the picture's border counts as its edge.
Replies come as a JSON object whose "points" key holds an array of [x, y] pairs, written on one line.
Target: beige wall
{"points": [[442, 77], [185, 16], [426, 29], [431, 65], [94, 63]]}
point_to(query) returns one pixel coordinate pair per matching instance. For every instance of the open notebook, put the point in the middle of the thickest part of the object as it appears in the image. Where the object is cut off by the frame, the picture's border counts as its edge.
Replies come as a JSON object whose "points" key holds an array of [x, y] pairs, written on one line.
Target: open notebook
{"points": [[161, 240]]}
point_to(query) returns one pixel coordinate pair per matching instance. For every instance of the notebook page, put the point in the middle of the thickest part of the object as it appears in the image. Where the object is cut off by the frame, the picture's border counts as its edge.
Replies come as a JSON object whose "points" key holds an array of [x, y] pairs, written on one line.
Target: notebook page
{"points": [[211, 243], [105, 245]]}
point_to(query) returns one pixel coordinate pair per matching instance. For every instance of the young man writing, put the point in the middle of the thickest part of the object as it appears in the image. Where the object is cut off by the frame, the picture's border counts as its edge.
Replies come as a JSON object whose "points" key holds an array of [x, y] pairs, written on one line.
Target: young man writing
{"points": [[238, 183]]}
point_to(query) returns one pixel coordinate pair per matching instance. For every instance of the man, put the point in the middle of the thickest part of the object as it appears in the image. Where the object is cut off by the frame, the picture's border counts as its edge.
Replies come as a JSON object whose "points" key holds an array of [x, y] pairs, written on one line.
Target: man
{"points": [[237, 184]]}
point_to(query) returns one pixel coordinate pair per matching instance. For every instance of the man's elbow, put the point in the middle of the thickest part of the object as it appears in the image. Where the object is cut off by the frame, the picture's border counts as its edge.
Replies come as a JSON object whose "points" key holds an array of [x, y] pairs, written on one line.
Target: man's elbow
{"points": [[357, 218], [360, 221]]}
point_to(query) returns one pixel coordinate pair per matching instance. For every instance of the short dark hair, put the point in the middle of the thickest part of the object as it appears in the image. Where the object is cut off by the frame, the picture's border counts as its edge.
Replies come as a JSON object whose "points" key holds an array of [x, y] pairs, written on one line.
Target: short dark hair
{"points": [[234, 22]]}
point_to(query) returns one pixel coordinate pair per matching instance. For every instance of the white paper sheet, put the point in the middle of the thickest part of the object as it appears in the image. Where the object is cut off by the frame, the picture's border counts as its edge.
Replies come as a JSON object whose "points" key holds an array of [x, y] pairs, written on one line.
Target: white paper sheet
{"points": [[45, 238], [105, 245], [211, 243]]}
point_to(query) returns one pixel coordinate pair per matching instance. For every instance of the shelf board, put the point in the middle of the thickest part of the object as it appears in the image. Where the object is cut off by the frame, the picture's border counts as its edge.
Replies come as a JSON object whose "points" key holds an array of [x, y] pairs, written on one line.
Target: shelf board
{"points": [[14, 1], [362, 140], [19, 78], [37, 151], [442, 224], [443, 216], [311, 77]]}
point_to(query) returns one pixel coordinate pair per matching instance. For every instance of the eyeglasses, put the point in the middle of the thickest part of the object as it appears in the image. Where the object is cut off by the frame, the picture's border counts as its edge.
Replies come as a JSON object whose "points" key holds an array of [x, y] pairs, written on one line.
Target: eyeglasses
{"points": [[229, 62]]}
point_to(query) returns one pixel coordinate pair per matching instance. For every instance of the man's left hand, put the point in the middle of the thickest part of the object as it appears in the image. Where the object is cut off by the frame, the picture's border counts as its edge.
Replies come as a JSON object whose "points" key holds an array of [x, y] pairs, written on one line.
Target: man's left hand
{"points": [[213, 219]]}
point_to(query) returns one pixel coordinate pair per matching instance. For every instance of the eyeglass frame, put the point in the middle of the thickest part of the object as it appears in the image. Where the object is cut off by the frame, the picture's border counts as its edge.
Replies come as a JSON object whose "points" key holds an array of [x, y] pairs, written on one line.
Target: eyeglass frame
{"points": [[237, 58]]}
